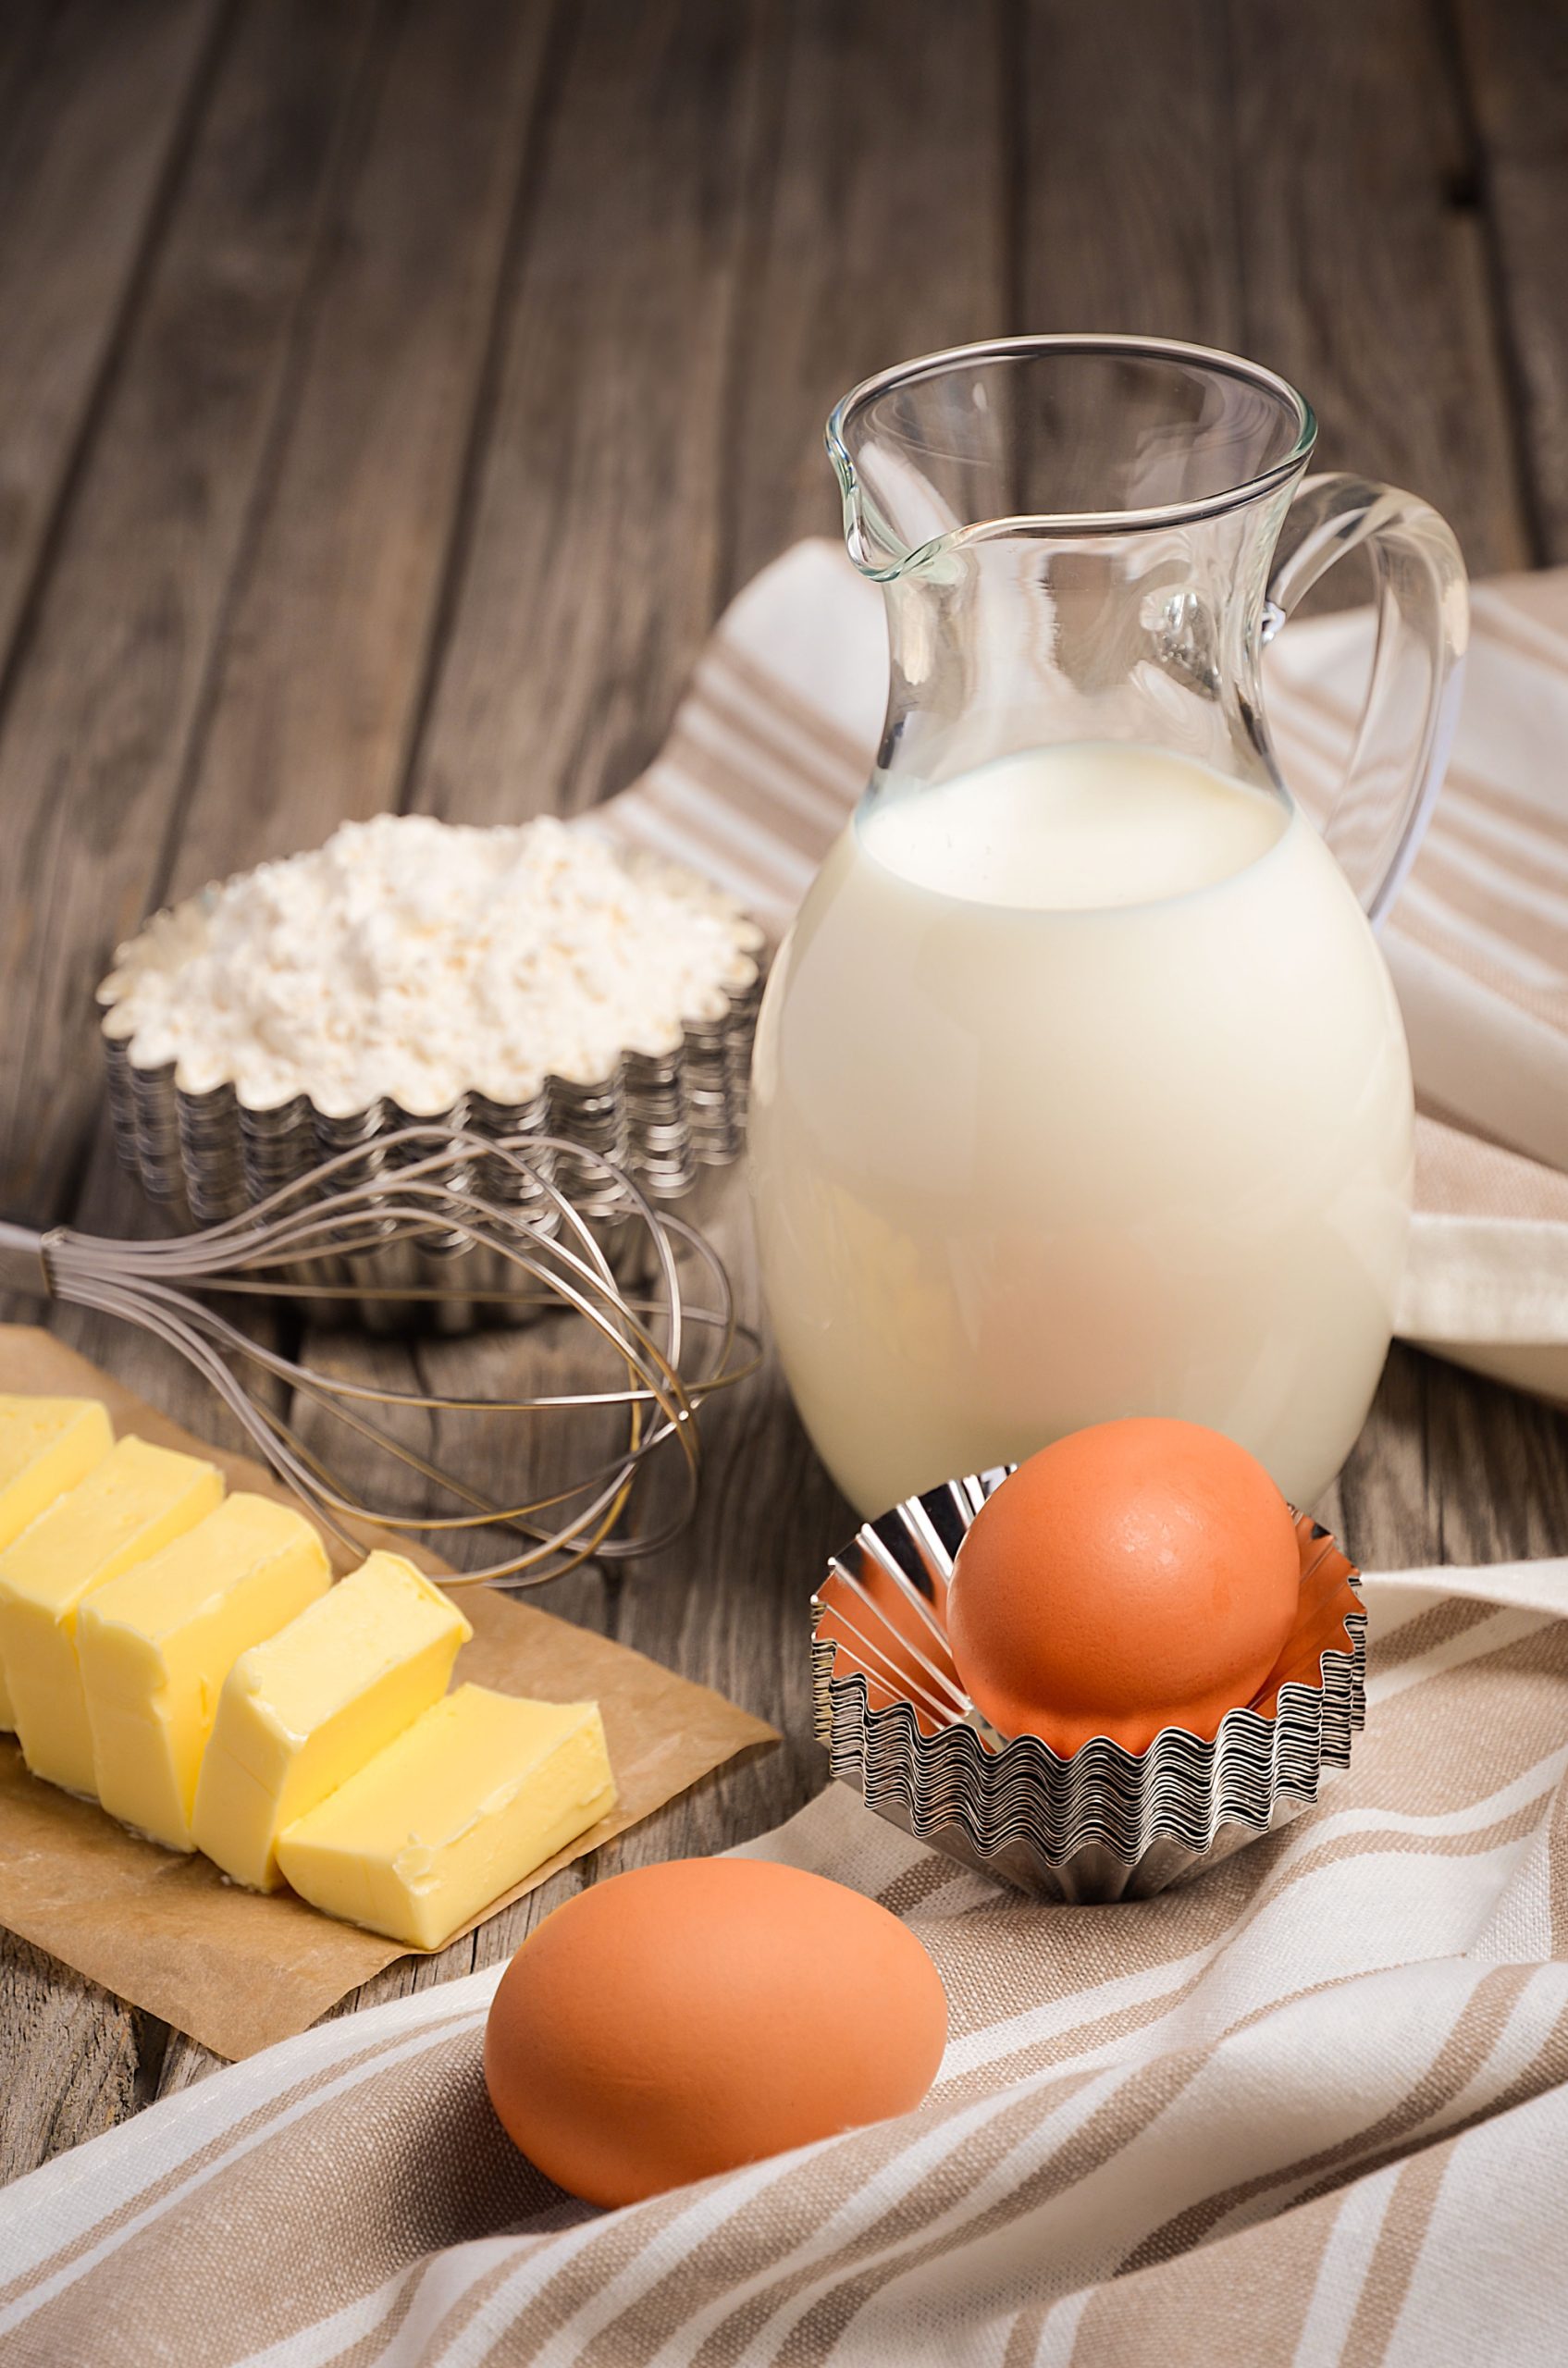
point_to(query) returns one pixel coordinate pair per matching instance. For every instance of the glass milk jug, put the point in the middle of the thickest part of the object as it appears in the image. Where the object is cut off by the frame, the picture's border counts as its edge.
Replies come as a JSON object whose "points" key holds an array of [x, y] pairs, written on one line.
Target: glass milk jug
{"points": [[1080, 1086]]}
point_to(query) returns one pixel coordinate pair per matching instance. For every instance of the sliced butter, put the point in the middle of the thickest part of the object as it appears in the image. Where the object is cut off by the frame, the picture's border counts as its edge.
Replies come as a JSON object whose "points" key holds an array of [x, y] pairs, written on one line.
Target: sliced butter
{"points": [[474, 1797], [137, 1499], [157, 1643], [46, 1445], [302, 1713]]}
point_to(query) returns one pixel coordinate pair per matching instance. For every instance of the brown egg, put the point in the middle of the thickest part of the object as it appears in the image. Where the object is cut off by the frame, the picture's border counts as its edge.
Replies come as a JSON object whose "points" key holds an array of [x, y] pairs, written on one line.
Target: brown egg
{"points": [[1135, 1575], [687, 2018]]}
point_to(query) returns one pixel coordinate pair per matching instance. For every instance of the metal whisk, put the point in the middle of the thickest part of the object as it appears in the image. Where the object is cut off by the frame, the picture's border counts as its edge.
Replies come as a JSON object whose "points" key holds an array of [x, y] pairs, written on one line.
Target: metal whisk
{"points": [[533, 1208]]}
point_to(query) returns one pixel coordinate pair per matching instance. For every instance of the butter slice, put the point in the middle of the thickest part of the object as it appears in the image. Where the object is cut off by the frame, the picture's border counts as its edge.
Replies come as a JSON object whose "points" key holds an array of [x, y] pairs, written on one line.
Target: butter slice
{"points": [[46, 1445], [302, 1713], [157, 1643], [474, 1797], [138, 1499]]}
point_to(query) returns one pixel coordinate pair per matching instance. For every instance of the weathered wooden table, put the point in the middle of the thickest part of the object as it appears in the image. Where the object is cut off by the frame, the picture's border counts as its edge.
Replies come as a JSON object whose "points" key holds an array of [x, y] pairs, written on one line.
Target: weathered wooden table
{"points": [[390, 397]]}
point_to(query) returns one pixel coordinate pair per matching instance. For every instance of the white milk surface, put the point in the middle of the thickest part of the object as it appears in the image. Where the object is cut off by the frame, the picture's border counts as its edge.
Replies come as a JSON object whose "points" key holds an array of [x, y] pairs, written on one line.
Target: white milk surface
{"points": [[1080, 1091]]}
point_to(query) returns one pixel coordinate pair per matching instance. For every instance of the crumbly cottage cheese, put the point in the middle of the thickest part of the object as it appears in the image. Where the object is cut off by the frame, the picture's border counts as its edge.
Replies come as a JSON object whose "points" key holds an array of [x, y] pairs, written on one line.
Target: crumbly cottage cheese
{"points": [[419, 960]]}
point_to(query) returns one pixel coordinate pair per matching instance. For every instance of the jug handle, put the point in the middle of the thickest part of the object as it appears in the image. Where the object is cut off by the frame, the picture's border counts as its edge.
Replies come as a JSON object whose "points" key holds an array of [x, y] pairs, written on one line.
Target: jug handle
{"points": [[1406, 727]]}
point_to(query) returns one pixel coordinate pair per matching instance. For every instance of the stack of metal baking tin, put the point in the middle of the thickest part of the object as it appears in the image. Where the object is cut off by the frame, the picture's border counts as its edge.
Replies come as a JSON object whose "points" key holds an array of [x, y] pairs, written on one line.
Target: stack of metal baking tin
{"points": [[665, 1119], [1106, 1823]]}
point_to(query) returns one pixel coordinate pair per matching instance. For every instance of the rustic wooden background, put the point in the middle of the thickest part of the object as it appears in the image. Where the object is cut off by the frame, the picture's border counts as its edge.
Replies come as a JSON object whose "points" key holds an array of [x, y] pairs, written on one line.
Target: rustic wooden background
{"points": [[393, 395]]}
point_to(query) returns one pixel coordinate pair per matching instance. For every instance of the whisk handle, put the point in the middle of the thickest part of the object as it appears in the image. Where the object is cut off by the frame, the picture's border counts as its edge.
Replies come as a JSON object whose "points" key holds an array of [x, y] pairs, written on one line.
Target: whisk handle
{"points": [[24, 1261]]}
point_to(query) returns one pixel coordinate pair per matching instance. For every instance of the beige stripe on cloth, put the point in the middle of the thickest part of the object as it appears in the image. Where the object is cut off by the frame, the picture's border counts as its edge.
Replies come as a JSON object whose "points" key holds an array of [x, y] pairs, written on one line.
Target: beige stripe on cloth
{"points": [[1312, 2108]]}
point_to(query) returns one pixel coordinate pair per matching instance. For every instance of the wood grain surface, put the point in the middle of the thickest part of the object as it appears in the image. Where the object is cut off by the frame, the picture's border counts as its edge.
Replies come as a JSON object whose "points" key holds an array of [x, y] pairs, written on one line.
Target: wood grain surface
{"points": [[393, 392]]}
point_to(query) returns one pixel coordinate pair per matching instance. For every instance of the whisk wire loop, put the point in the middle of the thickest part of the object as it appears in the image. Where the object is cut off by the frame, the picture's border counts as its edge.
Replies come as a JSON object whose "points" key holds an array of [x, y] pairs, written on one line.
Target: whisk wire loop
{"points": [[536, 1208]]}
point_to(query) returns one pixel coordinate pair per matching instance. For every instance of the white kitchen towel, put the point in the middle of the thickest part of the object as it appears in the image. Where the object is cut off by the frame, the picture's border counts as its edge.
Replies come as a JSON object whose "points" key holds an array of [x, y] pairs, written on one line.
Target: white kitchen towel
{"points": [[1311, 2108], [773, 741]]}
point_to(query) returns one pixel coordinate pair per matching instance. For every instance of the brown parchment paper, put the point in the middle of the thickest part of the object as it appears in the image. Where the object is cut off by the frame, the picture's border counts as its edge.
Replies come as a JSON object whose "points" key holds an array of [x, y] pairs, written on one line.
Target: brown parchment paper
{"points": [[237, 1970]]}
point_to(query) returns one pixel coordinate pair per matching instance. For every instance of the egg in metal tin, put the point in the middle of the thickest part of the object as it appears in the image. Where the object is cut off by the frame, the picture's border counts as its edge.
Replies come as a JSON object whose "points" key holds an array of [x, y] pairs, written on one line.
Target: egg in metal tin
{"points": [[688, 2018]]}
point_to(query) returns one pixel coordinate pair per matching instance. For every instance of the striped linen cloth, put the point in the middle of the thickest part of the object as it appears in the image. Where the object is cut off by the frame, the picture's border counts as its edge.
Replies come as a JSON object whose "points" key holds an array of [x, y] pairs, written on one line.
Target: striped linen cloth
{"points": [[1311, 2108], [773, 741]]}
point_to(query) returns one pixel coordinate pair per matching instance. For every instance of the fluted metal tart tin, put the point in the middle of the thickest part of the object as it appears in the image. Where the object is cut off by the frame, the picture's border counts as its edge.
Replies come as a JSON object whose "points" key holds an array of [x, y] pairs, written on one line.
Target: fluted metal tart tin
{"points": [[1106, 1823], [669, 1119]]}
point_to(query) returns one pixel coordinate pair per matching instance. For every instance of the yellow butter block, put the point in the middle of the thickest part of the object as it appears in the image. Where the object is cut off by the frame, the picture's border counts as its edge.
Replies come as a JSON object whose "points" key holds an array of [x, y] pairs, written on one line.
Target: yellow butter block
{"points": [[46, 1445], [302, 1713], [469, 1800], [137, 1499], [157, 1643]]}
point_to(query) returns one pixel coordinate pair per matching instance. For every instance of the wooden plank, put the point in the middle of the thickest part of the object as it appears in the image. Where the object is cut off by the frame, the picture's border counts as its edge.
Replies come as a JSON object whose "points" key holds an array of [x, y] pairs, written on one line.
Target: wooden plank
{"points": [[325, 652], [1282, 184], [592, 568], [94, 743], [1128, 213], [91, 757], [22, 28], [1362, 281], [1102, 245], [1452, 1469], [1513, 57], [95, 100], [72, 2067], [885, 234]]}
